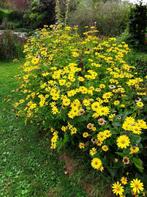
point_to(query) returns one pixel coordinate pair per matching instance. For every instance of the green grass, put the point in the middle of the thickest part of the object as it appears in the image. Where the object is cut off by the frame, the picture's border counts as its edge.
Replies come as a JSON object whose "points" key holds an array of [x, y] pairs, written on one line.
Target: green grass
{"points": [[27, 167]]}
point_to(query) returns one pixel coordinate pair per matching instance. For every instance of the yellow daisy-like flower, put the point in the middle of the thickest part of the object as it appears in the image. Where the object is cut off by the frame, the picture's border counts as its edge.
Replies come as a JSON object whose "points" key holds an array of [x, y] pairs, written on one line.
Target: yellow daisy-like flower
{"points": [[140, 104], [92, 151], [66, 102], [35, 60], [134, 149], [123, 141], [136, 186], [85, 134], [124, 180], [95, 106], [81, 145], [116, 102], [96, 163], [105, 148], [118, 189]]}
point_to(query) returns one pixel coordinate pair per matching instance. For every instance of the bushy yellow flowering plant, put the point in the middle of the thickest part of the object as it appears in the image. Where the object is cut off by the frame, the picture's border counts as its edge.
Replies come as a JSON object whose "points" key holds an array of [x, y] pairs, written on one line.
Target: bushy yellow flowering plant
{"points": [[125, 187], [83, 91]]}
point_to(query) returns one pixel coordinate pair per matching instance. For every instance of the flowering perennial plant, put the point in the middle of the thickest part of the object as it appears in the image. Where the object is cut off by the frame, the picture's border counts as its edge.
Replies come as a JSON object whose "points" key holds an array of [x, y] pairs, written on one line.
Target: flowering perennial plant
{"points": [[83, 91]]}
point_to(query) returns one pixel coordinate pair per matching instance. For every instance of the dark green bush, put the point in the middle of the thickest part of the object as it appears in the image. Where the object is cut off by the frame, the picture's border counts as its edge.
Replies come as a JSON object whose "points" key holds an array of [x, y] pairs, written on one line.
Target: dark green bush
{"points": [[137, 26], [10, 46], [139, 60], [11, 19], [40, 13]]}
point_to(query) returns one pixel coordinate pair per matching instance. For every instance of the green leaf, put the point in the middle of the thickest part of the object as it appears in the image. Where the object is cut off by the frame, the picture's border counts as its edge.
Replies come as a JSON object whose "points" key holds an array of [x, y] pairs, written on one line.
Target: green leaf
{"points": [[136, 139], [120, 154], [116, 124], [66, 139], [139, 164]]}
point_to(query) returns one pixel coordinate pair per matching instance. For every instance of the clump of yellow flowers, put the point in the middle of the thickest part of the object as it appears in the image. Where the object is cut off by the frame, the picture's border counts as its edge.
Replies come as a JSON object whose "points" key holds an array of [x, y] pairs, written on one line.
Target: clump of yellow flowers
{"points": [[123, 188], [82, 90]]}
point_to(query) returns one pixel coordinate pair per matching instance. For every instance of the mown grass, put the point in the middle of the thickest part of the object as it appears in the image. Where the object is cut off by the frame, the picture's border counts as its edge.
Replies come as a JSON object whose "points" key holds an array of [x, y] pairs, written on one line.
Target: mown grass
{"points": [[27, 167]]}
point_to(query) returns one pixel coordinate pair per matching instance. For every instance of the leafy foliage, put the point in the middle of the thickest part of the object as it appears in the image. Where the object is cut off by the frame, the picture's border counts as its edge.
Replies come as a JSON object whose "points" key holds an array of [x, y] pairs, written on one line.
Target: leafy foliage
{"points": [[103, 14], [137, 26], [80, 90], [10, 46], [11, 19], [39, 13]]}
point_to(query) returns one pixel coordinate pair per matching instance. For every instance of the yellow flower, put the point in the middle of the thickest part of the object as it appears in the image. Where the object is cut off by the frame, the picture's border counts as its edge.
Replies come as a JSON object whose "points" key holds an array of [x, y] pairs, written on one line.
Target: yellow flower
{"points": [[118, 189], [54, 140], [123, 141], [86, 102], [102, 86], [66, 101], [122, 105], [95, 106], [136, 186], [105, 148], [92, 151], [96, 163], [111, 117], [75, 54], [139, 104], [107, 133], [99, 142], [116, 102], [101, 136], [134, 149], [136, 130], [64, 128], [85, 134], [142, 124], [81, 145], [35, 60], [124, 180], [73, 130], [107, 95], [62, 82]]}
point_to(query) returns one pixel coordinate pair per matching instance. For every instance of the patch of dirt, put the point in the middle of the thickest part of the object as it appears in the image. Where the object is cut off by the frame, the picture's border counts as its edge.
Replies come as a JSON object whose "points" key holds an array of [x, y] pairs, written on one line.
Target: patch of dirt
{"points": [[52, 194], [69, 164], [88, 188], [108, 194]]}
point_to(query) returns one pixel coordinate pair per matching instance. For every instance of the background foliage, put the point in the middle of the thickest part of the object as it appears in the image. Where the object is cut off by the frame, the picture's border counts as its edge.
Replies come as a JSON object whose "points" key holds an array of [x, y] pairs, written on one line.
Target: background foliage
{"points": [[103, 14], [10, 46], [137, 26], [40, 13]]}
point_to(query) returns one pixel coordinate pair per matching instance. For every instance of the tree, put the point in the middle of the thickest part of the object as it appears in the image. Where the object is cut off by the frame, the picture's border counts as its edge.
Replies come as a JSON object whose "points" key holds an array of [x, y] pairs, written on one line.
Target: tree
{"points": [[40, 13], [137, 25]]}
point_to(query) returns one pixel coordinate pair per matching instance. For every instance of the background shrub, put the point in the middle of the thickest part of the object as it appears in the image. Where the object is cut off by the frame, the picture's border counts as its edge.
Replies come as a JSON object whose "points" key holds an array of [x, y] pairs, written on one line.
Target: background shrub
{"points": [[11, 19], [10, 46], [40, 13], [111, 17], [137, 26]]}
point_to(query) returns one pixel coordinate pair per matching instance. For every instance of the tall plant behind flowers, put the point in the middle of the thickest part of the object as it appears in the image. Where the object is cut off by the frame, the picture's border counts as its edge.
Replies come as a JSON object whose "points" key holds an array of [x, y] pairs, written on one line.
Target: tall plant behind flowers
{"points": [[84, 93]]}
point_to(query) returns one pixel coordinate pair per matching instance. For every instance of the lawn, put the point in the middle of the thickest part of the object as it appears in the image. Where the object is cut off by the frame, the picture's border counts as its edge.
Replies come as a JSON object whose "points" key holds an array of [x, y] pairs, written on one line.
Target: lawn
{"points": [[27, 167]]}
